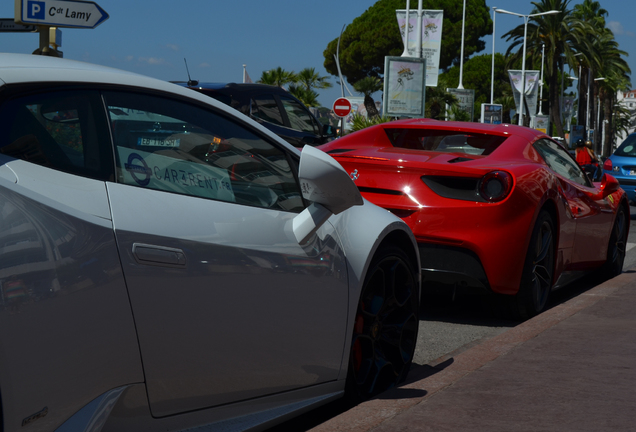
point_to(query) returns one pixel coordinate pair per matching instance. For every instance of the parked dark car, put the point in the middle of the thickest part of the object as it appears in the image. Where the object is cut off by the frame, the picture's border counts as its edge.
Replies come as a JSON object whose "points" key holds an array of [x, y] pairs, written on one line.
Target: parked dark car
{"points": [[273, 107]]}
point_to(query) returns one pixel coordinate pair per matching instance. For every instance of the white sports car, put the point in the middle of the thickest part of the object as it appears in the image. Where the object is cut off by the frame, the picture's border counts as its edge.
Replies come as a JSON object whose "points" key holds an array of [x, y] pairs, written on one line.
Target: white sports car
{"points": [[166, 263]]}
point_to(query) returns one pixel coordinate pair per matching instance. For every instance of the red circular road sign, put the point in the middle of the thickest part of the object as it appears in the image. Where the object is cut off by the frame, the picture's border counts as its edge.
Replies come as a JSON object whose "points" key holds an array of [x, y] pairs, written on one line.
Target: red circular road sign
{"points": [[342, 107]]}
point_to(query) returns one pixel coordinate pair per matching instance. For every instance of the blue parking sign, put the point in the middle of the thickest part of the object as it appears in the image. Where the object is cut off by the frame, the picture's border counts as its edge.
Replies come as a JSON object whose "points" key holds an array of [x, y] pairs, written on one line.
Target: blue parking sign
{"points": [[35, 10]]}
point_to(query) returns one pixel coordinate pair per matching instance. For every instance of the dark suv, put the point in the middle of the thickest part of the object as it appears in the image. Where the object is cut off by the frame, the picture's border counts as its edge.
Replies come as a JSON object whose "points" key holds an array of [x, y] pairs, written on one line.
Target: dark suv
{"points": [[273, 107]]}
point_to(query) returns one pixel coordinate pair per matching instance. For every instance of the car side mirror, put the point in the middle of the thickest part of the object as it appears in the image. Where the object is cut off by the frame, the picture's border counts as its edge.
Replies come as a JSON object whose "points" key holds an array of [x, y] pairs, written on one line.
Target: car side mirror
{"points": [[608, 186], [329, 188]]}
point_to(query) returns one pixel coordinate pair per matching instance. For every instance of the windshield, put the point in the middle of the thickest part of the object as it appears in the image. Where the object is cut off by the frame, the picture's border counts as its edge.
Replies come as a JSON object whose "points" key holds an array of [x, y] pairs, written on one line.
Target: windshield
{"points": [[627, 147], [444, 141]]}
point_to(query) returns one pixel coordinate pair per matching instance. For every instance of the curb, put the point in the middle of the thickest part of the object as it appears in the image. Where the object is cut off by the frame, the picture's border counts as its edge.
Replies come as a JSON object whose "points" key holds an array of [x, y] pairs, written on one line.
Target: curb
{"points": [[426, 381]]}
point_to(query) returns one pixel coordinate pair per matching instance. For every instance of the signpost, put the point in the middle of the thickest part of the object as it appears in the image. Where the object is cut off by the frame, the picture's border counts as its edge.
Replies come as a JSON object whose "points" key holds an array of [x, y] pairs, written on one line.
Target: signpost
{"points": [[342, 107], [9, 25], [59, 13]]}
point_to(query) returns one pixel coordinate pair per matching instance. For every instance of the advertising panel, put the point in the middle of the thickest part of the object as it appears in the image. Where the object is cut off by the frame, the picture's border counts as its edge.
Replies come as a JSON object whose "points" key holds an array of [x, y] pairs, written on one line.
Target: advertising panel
{"points": [[404, 86], [466, 98], [491, 113]]}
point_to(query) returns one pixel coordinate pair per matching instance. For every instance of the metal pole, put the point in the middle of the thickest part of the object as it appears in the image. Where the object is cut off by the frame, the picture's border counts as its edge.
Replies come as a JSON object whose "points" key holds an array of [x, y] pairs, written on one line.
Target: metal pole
{"points": [[587, 114], [541, 82], [461, 58], [419, 29], [406, 30], [523, 69], [492, 72]]}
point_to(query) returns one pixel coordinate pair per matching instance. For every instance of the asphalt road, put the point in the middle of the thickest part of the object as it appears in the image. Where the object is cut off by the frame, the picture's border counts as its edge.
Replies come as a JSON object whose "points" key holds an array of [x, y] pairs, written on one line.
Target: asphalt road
{"points": [[449, 326]]}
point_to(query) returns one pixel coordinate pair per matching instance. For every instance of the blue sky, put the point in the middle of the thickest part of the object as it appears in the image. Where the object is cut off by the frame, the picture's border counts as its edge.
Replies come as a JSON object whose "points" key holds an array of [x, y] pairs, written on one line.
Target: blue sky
{"points": [[218, 37]]}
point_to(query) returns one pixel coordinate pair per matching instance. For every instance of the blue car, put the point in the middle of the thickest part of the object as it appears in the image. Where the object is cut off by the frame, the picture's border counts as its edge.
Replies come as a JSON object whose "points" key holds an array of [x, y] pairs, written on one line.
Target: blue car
{"points": [[622, 165]]}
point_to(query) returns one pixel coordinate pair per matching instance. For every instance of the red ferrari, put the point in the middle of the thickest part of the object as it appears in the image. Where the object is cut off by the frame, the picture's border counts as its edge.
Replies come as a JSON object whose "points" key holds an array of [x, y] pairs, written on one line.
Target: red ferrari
{"points": [[500, 208]]}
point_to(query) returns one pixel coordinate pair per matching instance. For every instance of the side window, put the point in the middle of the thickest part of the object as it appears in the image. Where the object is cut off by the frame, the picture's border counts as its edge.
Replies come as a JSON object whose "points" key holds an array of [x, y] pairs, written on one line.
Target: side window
{"points": [[265, 108], [561, 162], [58, 130], [299, 117], [171, 146]]}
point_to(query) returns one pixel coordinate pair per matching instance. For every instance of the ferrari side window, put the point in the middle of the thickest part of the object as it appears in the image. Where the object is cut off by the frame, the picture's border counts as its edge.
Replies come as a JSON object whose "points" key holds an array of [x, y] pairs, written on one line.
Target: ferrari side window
{"points": [[171, 146], [561, 162]]}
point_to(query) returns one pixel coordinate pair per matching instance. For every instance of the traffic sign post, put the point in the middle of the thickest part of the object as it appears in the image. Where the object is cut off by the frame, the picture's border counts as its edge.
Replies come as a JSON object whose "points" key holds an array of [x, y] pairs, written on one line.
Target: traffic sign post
{"points": [[8, 25], [342, 107], [59, 13]]}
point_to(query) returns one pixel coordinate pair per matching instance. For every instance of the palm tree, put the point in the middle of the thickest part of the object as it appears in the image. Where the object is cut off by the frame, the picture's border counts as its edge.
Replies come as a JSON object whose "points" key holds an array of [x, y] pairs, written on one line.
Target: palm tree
{"points": [[307, 96], [309, 79], [507, 103], [558, 32], [277, 77], [367, 86]]}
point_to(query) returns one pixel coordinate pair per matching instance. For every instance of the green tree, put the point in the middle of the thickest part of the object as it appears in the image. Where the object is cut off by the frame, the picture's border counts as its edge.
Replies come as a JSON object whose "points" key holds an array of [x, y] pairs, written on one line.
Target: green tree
{"points": [[367, 86], [477, 72], [558, 33], [310, 79], [437, 99], [375, 34], [307, 96], [277, 77]]}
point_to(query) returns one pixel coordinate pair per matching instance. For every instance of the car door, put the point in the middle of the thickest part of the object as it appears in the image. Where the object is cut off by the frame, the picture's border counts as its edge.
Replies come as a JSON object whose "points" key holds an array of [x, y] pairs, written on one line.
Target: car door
{"points": [[228, 306], [592, 214]]}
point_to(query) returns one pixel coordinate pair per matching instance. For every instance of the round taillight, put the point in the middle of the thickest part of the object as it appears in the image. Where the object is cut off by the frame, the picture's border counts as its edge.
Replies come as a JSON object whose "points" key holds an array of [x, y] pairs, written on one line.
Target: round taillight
{"points": [[495, 186], [607, 165]]}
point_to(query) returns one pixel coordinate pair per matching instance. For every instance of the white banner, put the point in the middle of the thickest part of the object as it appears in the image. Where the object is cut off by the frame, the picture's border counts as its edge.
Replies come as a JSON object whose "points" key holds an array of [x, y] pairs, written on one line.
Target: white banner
{"points": [[432, 21], [531, 93]]}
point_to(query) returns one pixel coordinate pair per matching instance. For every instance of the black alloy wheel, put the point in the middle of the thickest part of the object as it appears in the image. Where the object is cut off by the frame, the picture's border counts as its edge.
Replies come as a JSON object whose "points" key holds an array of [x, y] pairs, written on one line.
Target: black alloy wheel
{"points": [[616, 248], [538, 270], [385, 327]]}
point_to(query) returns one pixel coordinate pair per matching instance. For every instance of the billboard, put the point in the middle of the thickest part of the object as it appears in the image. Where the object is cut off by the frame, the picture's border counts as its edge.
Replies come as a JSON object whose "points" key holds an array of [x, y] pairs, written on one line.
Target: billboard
{"points": [[404, 86]]}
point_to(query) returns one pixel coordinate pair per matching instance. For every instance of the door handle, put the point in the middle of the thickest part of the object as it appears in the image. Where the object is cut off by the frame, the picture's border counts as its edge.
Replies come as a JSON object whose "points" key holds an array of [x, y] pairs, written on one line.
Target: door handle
{"points": [[158, 255]]}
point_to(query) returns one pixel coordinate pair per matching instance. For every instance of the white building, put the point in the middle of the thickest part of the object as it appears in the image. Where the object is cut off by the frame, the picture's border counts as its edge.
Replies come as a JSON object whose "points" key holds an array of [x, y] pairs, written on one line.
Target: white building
{"points": [[628, 100]]}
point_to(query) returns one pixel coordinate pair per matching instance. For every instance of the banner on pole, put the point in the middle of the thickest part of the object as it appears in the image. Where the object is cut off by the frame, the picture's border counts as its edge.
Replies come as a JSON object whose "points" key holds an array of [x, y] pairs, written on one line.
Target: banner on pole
{"points": [[531, 94], [432, 21]]}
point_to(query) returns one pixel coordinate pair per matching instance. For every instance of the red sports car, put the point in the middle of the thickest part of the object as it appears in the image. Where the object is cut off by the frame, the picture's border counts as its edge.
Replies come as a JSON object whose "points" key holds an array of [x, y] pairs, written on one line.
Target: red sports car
{"points": [[501, 208]]}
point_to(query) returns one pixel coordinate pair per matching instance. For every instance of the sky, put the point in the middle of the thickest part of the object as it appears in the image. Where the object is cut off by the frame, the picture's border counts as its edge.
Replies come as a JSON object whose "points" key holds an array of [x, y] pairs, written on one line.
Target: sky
{"points": [[218, 37]]}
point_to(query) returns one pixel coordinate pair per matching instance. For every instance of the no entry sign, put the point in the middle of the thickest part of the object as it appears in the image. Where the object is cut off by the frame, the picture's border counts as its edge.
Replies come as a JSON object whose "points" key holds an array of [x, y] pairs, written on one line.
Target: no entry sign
{"points": [[342, 107]]}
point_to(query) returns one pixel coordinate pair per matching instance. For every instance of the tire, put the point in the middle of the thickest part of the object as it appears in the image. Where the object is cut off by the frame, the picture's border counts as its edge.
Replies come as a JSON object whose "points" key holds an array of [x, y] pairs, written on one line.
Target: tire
{"points": [[385, 327], [616, 249], [538, 270]]}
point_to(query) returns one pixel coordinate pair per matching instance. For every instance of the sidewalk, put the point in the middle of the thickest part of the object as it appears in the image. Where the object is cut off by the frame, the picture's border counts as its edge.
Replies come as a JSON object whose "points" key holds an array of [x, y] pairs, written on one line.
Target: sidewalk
{"points": [[572, 368]]}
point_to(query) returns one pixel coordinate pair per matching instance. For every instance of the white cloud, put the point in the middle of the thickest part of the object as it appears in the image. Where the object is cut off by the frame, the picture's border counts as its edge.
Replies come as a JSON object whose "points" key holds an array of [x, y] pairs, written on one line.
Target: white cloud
{"points": [[208, 65], [173, 47], [618, 30], [152, 60]]}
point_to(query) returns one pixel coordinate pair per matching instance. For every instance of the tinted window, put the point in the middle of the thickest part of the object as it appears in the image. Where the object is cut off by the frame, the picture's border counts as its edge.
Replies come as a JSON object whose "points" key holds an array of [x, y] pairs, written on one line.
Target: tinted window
{"points": [[561, 161], [444, 141], [299, 117], [57, 130], [265, 108], [171, 146], [627, 147]]}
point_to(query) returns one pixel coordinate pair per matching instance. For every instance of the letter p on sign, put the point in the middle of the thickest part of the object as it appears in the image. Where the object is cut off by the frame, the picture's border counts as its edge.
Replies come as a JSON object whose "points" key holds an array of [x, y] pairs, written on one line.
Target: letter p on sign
{"points": [[35, 9]]}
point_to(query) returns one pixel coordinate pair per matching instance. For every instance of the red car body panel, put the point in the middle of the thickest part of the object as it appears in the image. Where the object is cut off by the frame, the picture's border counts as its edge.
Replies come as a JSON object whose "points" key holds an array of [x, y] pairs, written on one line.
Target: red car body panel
{"points": [[497, 233]]}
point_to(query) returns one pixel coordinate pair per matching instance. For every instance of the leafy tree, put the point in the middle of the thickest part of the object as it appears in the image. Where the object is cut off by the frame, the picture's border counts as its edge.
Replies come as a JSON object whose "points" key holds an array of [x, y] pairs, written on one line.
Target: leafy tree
{"points": [[277, 77], [437, 98], [359, 122], [307, 96], [375, 34], [507, 103], [367, 86], [476, 75], [559, 33], [309, 79]]}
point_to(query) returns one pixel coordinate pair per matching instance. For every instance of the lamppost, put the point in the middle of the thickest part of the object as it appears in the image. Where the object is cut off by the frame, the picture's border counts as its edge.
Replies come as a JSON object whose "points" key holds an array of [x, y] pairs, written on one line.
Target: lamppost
{"points": [[523, 61], [492, 72], [461, 56], [541, 82]]}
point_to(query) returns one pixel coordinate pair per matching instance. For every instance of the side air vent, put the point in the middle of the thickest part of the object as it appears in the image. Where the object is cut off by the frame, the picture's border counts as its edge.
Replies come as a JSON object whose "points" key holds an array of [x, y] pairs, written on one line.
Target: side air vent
{"points": [[379, 191]]}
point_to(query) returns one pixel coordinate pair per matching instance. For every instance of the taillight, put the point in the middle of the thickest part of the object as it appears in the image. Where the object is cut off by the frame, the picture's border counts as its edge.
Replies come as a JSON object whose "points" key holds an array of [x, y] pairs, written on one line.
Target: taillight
{"points": [[607, 165], [495, 186]]}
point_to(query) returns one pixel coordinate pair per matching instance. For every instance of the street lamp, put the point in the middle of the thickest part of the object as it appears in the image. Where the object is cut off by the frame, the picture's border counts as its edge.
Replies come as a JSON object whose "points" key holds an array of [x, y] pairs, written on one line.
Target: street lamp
{"points": [[587, 114], [492, 72], [523, 61], [541, 81]]}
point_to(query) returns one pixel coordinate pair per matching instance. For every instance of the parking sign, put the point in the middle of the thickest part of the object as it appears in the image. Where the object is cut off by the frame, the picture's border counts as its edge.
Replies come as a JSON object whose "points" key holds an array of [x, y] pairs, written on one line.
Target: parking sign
{"points": [[35, 10]]}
